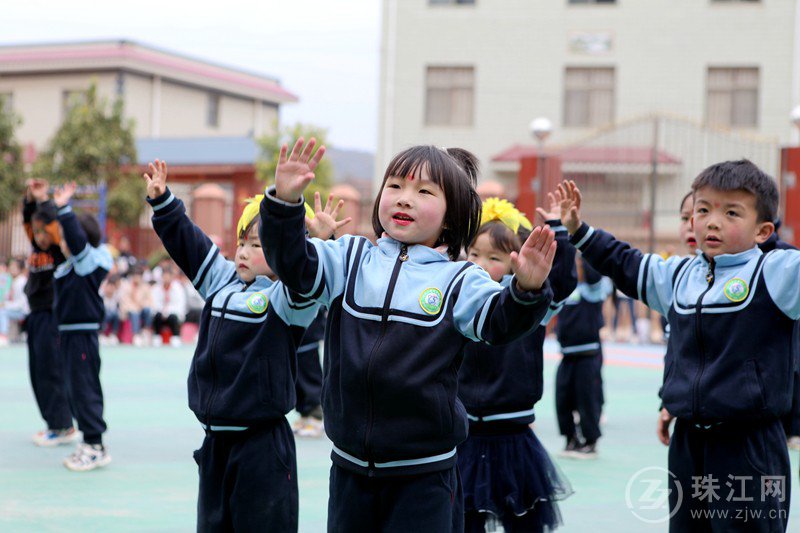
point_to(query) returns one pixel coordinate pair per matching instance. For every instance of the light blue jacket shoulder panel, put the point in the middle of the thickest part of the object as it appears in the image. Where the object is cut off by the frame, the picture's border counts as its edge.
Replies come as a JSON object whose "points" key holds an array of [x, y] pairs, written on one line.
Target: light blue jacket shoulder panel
{"points": [[251, 303], [782, 277]]}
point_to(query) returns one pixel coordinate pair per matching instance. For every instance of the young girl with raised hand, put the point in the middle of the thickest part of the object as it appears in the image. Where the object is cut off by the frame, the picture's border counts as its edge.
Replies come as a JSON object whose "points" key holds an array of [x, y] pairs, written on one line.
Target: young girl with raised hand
{"points": [[241, 380], [508, 476], [400, 314]]}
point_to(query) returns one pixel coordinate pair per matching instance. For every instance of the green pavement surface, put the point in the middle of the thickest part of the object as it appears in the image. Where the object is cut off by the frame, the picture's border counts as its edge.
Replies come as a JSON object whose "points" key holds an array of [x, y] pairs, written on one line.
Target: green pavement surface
{"points": [[151, 485]]}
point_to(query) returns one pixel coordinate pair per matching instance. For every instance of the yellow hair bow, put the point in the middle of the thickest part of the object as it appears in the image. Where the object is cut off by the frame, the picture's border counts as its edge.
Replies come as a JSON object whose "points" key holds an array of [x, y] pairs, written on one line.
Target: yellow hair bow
{"points": [[251, 211], [505, 212]]}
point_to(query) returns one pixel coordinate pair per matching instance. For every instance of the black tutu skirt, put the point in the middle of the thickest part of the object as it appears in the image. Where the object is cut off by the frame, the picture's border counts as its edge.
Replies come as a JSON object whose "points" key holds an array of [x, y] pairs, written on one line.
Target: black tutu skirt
{"points": [[511, 474]]}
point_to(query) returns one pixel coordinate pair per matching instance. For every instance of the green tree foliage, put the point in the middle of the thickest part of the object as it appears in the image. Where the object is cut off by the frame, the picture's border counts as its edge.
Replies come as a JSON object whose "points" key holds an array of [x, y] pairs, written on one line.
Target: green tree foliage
{"points": [[94, 145], [12, 178], [270, 146]]}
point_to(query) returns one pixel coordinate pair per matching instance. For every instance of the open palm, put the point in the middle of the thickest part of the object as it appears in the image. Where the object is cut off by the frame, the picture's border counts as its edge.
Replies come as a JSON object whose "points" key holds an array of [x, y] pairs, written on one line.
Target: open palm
{"points": [[533, 262], [296, 169], [324, 223], [156, 179]]}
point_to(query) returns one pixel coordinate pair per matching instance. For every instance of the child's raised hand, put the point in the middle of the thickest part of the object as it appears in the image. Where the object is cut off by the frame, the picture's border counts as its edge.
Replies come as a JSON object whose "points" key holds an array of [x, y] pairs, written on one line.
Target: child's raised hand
{"points": [[533, 262], [324, 224], [295, 171], [37, 189], [63, 194], [664, 420], [554, 211], [570, 205], [157, 179]]}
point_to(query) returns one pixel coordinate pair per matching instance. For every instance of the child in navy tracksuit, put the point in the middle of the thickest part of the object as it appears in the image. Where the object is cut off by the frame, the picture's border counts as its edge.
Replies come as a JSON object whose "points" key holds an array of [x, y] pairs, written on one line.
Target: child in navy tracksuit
{"points": [[732, 312], [309, 381], [508, 476], [79, 311], [241, 380], [39, 215], [578, 381], [399, 315]]}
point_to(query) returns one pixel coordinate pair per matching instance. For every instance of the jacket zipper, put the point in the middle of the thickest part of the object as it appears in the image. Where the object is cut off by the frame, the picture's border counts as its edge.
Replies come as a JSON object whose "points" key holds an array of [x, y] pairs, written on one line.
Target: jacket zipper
{"points": [[699, 335], [211, 358], [401, 258]]}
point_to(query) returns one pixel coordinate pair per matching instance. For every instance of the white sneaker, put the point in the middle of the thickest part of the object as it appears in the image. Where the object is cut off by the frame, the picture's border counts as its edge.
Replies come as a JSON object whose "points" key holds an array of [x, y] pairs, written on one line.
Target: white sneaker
{"points": [[793, 442], [87, 457], [50, 438], [157, 341], [175, 342]]}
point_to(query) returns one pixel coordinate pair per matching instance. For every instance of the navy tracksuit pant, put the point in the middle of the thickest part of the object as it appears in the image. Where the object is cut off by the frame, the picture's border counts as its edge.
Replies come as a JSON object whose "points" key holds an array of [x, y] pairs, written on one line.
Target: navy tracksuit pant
{"points": [[579, 388], [46, 365], [81, 354], [742, 463], [248, 480], [309, 380], [421, 503]]}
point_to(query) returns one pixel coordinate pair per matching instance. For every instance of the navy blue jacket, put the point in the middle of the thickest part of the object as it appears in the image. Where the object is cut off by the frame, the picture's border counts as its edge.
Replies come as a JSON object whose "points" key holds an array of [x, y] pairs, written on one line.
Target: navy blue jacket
{"points": [[500, 385], [398, 319], [78, 304], [244, 367], [42, 263], [581, 317], [732, 322]]}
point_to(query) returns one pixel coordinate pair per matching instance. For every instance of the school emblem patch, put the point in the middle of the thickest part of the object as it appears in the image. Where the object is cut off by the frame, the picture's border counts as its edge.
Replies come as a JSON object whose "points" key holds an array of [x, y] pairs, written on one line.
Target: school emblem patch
{"points": [[257, 303], [431, 300], [736, 290]]}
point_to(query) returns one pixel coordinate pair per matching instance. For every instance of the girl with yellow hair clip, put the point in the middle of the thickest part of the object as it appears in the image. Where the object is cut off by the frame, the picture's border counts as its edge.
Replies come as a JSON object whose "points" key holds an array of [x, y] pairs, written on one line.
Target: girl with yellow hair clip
{"points": [[508, 476], [241, 379]]}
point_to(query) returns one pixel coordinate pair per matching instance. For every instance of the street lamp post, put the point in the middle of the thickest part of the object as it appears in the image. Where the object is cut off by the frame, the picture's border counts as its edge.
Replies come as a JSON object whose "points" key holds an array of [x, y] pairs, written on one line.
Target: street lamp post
{"points": [[540, 128]]}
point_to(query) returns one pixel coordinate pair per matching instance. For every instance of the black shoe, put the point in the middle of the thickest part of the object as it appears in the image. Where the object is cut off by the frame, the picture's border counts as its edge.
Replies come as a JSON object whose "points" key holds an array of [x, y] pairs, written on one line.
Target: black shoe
{"points": [[587, 451], [572, 445]]}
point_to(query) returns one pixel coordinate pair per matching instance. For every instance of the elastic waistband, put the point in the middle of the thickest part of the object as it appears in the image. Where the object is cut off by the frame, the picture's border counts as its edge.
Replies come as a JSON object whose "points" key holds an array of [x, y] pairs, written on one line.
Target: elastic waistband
{"points": [[395, 464], [501, 416], [590, 347], [87, 326], [224, 428]]}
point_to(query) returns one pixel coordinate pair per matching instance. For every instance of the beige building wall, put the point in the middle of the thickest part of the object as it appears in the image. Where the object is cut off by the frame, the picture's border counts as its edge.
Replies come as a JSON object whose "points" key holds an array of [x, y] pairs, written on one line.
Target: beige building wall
{"points": [[660, 49], [158, 108], [38, 101]]}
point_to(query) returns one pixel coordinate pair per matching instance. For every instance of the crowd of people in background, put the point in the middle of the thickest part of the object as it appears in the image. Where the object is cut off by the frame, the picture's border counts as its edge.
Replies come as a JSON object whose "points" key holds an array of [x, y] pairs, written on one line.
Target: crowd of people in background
{"points": [[140, 301], [144, 306]]}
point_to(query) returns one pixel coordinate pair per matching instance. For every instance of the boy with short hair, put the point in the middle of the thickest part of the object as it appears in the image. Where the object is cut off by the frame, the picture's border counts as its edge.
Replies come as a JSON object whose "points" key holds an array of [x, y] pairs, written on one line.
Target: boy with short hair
{"points": [[732, 312], [44, 360], [79, 310]]}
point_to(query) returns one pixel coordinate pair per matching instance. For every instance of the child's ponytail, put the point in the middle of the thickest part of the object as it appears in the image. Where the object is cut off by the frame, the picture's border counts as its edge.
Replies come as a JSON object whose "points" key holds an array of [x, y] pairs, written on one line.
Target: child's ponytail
{"points": [[467, 161]]}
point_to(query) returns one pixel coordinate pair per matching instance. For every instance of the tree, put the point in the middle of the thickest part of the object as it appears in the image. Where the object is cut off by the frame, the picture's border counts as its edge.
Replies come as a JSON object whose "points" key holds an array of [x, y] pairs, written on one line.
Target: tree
{"points": [[270, 145], [12, 178], [96, 145]]}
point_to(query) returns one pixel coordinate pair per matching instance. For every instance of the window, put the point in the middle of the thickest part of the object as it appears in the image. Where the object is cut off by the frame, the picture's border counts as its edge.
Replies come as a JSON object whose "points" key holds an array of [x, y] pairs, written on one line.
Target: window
{"points": [[459, 2], [588, 97], [71, 98], [212, 111], [592, 1], [7, 102], [449, 96], [732, 97]]}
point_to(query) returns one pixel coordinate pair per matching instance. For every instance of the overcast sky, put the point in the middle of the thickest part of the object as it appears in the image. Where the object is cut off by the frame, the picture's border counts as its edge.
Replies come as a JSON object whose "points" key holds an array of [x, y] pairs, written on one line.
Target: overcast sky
{"points": [[324, 51]]}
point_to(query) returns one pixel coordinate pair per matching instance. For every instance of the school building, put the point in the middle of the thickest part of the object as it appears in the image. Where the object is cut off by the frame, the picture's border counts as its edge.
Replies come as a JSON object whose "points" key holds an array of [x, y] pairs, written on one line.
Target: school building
{"points": [[640, 95], [201, 116]]}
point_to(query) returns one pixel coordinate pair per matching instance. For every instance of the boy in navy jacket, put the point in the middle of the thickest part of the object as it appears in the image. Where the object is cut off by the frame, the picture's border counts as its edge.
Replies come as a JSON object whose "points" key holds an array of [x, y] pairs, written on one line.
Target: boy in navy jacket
{"points": [[39, 216], [79, 311], [241, 379], [578, 381], [732, 312]]}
